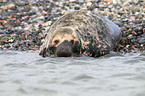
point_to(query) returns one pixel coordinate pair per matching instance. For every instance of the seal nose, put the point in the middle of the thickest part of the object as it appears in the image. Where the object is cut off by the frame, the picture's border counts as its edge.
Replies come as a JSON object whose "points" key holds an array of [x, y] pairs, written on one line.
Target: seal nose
{"points": [[64, 49]]}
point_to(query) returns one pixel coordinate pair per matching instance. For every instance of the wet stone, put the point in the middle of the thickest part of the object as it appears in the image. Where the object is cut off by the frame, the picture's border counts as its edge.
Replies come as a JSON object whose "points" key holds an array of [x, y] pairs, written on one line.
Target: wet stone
{"points": [[23, 17], [77, 7]]}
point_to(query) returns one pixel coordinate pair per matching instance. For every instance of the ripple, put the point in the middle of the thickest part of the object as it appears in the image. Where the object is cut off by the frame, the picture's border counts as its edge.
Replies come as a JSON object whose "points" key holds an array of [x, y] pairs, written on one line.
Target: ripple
{"points": [[22, 91], [83, 77], [138, 78], [68, 83], [142, 59], [17, 81], [131, 61], [142, 54], [15, 65], [123, 75], [79, 63], [33, 75], [37, 90]]}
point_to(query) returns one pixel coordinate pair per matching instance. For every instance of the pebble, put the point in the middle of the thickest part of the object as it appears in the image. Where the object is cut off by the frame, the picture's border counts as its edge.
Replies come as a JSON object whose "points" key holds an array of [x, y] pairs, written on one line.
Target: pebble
{"points": [[24, 26]]}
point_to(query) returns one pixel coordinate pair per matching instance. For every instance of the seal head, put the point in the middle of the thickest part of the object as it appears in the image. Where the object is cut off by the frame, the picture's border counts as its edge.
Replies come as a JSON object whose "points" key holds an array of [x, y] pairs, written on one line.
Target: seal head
{"points": [[62, 43]]}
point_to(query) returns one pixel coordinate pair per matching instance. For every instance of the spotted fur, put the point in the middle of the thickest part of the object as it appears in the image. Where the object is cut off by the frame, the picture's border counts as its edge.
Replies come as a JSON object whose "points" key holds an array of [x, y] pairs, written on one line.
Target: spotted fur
{"points": [[91, 34]]}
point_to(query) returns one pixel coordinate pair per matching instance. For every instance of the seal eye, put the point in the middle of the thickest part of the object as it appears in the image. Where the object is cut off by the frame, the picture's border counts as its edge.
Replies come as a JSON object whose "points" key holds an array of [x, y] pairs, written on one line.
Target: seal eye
{"points": [[56, 41], [72, 41]]}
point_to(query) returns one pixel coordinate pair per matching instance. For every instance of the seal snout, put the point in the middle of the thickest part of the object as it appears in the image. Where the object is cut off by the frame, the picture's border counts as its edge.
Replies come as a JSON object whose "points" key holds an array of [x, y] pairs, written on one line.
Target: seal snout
{"points": [[64, 49]]}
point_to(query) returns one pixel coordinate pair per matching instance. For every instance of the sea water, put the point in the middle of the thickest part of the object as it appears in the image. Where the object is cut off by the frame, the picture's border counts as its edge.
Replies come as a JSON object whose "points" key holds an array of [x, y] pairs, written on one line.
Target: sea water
{"points": [[28, 74]]}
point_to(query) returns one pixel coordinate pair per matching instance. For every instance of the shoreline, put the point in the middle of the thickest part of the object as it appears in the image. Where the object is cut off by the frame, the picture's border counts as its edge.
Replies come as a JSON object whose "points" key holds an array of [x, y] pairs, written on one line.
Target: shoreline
{"points": [[24, 27]]}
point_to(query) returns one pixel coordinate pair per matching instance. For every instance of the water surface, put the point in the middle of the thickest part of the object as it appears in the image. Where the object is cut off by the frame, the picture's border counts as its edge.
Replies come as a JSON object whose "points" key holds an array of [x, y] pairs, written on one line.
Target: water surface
{"points": [[28, 74]]}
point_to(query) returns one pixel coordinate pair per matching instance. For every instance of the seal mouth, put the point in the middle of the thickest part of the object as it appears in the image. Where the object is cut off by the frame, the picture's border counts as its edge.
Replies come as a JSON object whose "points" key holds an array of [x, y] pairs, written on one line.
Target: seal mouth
{"points": [[64, 49]]}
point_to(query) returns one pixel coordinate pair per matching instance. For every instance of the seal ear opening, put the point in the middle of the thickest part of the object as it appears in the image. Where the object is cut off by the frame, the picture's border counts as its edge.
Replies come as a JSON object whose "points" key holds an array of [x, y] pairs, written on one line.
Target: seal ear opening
{"points": [[64, 49]]}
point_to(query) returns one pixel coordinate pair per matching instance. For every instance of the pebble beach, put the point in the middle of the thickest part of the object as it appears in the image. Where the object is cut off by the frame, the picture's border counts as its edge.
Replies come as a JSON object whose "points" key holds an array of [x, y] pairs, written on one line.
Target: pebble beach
{"points": [[24, 25]]}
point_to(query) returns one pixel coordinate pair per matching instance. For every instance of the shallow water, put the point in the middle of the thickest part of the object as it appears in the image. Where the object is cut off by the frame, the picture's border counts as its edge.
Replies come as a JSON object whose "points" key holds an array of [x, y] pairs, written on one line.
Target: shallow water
{"points": [[28, 74]]}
